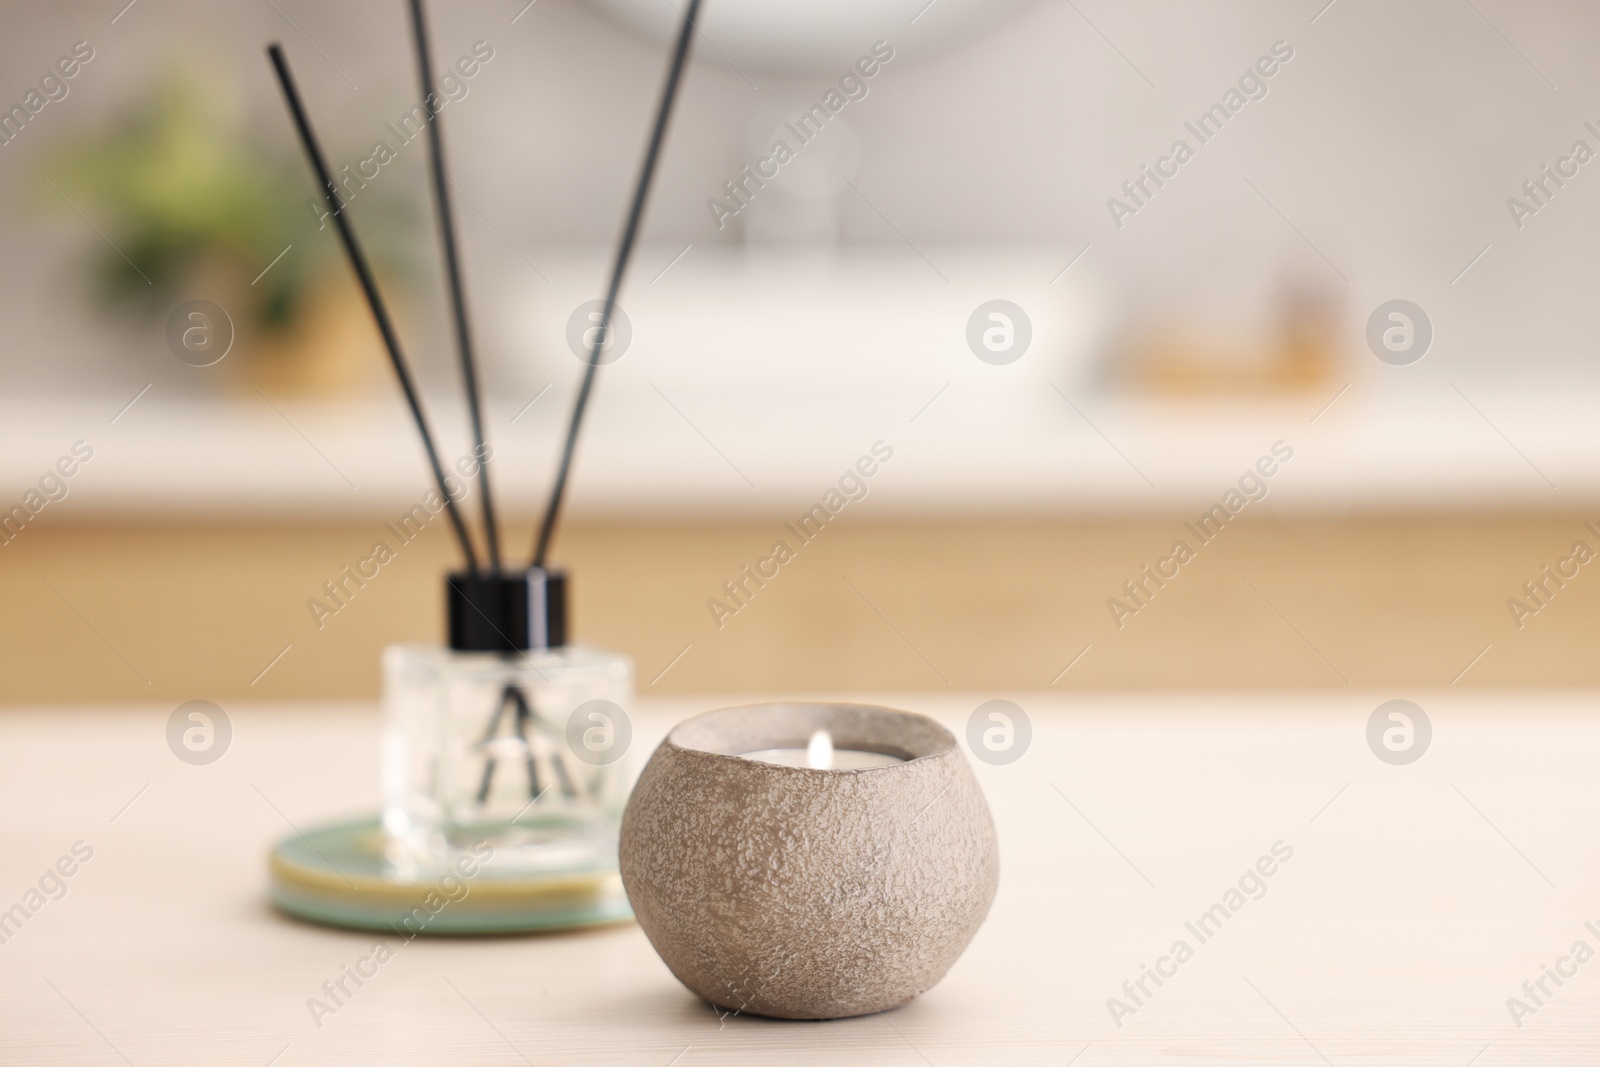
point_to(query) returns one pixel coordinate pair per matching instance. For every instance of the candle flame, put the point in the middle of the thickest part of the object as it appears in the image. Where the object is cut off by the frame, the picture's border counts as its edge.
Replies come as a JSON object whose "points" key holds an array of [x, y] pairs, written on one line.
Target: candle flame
{"points": [[819, 753]]}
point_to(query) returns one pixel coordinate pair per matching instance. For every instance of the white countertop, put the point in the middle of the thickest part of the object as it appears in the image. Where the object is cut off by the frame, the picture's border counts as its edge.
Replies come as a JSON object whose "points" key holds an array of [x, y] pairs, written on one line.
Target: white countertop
{"points": [[977, 448], [1418, 899], [751, 386]]}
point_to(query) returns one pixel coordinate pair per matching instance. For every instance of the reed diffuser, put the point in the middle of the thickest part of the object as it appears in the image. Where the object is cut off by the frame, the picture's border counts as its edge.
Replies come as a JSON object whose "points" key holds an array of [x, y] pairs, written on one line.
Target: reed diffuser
{"points": [[503, 749]]}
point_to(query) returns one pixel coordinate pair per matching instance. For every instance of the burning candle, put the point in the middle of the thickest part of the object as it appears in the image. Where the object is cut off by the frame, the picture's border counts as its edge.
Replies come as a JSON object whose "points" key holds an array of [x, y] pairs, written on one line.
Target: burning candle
{"points": [[808, 881], [820, 755]]}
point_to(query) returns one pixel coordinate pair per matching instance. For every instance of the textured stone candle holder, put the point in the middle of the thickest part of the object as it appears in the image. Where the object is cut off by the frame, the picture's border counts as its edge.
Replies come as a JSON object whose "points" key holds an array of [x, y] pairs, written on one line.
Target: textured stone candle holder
{"points": [[801, 893]]}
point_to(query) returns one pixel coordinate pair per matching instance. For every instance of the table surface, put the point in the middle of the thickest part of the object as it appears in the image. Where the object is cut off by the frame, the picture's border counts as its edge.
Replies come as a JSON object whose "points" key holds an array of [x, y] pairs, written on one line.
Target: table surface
{"points": [[1418, 900]]}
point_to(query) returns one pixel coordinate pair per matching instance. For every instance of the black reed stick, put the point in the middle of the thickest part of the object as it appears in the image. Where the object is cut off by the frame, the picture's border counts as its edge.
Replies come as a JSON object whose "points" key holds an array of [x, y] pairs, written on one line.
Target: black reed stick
{"points": [[629, 232], [452, 270], [358, 262]]}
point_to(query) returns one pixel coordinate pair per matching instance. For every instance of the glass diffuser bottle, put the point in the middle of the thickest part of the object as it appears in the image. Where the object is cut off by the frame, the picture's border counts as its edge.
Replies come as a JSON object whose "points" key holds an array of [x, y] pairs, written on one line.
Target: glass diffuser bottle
{"points": [[510, 736]]}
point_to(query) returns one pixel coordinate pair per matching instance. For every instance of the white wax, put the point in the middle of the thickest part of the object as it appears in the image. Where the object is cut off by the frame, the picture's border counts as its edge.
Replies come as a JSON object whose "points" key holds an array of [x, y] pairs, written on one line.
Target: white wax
{"points": [[844, 759], [821, 755]]}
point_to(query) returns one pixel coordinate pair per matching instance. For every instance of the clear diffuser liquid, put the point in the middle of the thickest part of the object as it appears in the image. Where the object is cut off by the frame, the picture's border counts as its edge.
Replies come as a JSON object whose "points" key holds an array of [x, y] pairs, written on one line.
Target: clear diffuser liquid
{"points": [[522, 751]]}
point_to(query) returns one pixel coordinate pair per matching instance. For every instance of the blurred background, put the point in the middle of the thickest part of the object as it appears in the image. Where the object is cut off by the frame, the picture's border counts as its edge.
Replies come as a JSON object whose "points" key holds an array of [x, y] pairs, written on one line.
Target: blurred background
{"points": [[1164, 335]]}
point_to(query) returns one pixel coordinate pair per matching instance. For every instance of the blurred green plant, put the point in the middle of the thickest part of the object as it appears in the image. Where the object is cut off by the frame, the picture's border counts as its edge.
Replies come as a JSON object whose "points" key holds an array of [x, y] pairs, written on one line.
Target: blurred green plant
{"points": [[186, 196], [183, 192]]}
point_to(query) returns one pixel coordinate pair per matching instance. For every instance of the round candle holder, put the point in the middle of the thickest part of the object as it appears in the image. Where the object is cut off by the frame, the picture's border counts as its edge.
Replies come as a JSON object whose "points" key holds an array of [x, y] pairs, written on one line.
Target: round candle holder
{"points": [[804, 893]]}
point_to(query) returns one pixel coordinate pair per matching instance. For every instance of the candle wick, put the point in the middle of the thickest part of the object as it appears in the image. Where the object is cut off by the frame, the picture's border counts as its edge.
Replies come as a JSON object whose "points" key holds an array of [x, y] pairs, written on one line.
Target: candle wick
{"points": [[819, 753]]}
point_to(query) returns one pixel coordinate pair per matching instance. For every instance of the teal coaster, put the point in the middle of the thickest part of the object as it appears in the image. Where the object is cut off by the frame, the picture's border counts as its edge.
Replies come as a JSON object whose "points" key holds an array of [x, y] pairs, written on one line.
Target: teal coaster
{"points": [[338, 875]]}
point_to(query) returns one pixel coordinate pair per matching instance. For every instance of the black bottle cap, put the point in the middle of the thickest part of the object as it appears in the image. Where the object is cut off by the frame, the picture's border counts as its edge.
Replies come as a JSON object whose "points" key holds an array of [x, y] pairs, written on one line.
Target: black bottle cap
{"points": [[506, 611]]}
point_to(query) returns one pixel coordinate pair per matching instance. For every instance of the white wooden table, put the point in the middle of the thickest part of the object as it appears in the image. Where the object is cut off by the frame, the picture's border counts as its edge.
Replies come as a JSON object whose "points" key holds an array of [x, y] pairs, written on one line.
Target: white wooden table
{"points": [[1418, 900]]}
